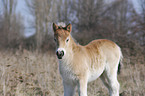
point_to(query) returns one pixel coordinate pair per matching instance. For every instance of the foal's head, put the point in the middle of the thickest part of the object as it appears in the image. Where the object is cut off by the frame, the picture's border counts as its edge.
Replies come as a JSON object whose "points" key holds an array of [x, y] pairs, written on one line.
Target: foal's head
{"points": [[62, 39]]}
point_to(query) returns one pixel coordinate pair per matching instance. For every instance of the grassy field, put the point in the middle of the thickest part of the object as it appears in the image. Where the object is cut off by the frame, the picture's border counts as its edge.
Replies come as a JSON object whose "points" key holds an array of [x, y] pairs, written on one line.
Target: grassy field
{"points": [[36, 74]]}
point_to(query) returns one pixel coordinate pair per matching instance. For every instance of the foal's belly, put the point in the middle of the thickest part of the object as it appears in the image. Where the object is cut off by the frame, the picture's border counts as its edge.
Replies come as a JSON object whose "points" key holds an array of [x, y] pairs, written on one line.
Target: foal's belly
{"points": [[94, 74]]}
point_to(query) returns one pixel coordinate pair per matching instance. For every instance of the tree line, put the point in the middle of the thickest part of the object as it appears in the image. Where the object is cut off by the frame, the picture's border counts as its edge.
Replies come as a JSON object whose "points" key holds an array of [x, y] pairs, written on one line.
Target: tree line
{"points": [[116, 20]]}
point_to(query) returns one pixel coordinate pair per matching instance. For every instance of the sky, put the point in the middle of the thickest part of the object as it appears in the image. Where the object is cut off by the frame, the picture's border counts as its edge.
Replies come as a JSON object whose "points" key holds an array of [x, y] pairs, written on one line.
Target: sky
{"points": [[21, 8], [136, 5]]}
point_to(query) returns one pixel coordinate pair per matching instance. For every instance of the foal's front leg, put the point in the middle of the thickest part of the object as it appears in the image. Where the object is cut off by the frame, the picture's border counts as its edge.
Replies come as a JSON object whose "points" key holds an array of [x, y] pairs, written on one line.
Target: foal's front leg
{"points": [[82, 87], [69, 89]]}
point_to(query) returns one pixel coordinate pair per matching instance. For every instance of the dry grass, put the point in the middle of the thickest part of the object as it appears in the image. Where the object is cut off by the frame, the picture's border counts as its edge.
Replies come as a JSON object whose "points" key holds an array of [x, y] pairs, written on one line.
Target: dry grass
{"points": [[36, 74]]}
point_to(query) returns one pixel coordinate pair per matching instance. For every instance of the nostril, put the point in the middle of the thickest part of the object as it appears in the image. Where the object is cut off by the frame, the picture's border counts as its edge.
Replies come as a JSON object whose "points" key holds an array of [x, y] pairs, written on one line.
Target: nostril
{"points": [[57, 53], [62, 53]]}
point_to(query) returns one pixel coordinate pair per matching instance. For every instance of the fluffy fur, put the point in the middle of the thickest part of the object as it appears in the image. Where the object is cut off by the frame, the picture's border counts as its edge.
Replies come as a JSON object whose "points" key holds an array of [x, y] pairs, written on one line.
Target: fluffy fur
{"points": [[83, 64]]}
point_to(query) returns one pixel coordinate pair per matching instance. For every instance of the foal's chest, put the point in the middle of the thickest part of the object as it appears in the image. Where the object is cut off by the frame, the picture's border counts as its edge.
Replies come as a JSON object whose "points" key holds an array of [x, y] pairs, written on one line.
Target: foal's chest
{"points": [[67, 73]]}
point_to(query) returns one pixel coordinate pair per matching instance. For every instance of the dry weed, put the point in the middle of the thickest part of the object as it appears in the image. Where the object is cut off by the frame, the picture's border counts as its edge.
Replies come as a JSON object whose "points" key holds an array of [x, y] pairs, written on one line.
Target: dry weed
{"points": [[36, 74]]}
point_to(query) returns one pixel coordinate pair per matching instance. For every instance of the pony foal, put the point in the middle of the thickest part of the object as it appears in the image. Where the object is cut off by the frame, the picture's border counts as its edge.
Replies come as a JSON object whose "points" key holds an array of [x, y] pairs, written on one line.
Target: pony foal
{"points": [[79, 64]]}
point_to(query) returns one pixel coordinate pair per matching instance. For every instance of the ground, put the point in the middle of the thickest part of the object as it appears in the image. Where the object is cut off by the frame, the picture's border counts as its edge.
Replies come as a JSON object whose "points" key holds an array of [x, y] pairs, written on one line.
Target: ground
{"points": [[36, 74]]}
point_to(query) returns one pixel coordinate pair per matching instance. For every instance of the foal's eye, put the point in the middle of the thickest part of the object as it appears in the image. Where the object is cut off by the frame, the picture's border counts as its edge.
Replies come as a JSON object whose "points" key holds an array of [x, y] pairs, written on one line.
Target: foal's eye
{"points": [[67, 39]]}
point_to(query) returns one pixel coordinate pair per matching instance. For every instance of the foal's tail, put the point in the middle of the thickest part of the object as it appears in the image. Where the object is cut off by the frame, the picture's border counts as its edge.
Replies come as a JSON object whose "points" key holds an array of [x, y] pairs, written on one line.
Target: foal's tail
{"points": [[120, 62]]}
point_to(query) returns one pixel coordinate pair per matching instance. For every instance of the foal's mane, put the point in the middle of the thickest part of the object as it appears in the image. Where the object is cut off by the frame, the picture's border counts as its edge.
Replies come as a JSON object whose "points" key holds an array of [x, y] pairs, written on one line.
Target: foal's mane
{"points": [[62, 25]]}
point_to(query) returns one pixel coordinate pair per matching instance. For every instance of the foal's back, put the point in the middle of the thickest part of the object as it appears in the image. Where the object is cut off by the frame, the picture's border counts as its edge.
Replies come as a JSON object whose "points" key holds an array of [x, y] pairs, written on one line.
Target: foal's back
{"points": [[103, 54], [103, 47]]}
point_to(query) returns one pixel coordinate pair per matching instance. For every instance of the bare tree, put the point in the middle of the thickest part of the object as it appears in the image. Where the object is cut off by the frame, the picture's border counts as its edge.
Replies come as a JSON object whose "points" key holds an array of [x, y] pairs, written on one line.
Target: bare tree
{"points": [[11, 23], [138, 23], [64, 10], [9, 7], [142, 22], [88, 13], [41, 12], [142, 4], [117, 17]]}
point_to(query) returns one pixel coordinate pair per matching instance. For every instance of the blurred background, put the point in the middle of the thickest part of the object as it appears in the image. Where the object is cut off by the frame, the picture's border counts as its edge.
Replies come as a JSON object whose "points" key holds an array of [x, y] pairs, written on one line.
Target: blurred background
{"points": [[28, 23], [27, 46]]}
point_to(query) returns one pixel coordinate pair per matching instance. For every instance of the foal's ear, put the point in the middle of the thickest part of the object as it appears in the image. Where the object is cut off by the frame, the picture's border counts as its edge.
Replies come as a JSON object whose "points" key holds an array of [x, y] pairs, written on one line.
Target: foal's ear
{"points": [[69, 28], [55, 27]]}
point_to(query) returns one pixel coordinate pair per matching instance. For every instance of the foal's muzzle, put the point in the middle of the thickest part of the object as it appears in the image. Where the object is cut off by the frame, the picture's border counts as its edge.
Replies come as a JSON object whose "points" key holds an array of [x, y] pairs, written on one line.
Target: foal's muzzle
{"points": [[60, 54]]}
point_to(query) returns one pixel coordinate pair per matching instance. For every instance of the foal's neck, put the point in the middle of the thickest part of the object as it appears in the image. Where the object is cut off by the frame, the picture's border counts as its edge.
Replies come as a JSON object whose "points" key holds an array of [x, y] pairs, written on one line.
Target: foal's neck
{"points": [[73, 46]]}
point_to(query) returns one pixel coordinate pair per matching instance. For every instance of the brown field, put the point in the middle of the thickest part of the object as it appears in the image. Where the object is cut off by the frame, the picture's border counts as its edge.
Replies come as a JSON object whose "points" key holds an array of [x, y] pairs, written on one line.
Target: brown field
{"points": [[36, 74]]}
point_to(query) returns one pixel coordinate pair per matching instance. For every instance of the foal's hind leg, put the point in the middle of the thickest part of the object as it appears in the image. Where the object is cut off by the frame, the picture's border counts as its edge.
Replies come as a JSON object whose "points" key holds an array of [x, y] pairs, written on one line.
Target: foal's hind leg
{"points": [[104, 80], [113, 83]]}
